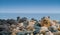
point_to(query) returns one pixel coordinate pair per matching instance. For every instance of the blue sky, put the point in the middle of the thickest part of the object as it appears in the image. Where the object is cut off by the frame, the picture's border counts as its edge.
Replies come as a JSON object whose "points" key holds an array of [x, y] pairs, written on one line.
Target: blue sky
{"points": [[29, 6]]}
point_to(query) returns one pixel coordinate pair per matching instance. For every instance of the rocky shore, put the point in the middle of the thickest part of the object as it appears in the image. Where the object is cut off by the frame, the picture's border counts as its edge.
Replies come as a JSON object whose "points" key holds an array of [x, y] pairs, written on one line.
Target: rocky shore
{"points": [[23, 26]]}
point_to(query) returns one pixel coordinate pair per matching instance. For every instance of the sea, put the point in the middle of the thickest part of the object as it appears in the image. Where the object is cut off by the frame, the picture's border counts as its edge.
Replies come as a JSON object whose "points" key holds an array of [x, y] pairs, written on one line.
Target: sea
{"points": [[37, 16]]}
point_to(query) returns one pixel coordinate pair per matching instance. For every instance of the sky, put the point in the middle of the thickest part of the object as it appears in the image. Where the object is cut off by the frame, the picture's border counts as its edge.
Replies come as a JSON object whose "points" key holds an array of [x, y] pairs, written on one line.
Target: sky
{"points": [[29, 6]]}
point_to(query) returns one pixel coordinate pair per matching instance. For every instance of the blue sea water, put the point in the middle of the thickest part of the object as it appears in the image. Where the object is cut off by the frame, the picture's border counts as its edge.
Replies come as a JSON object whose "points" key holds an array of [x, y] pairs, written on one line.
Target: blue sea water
{"points": [[37, 16]]}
